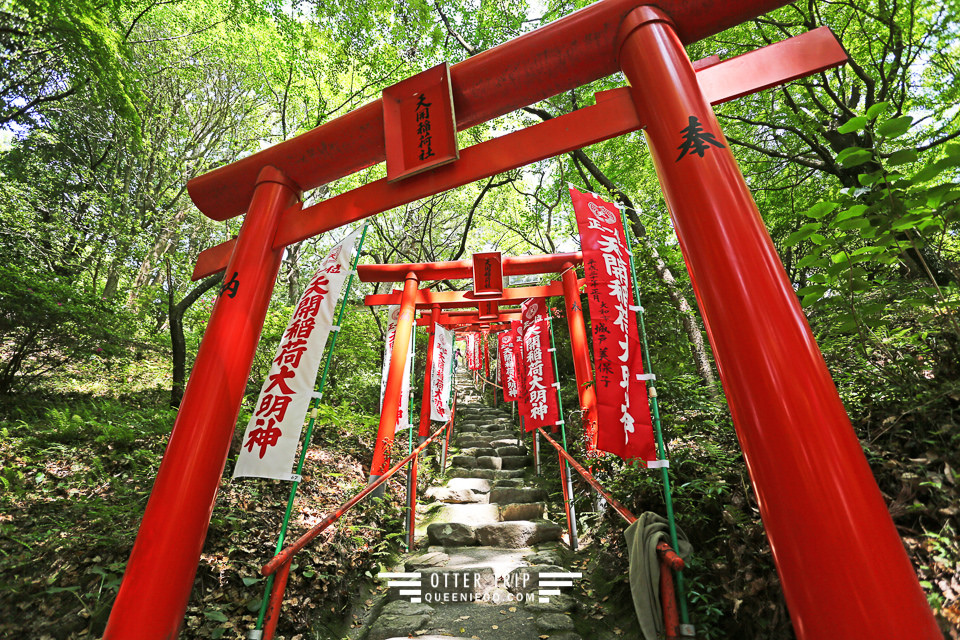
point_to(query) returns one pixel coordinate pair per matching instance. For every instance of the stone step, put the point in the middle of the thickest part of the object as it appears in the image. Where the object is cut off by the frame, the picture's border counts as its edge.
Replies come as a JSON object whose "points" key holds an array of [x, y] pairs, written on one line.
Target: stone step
{"points": [[511, 450], [471, 514], [478, 451], [502, 561], [489, 462], [515, 462], [464, 462], [517, 533], [521, 511], [477, 513], [454, 496], [513, 495], [477, 485], [486, 474]]}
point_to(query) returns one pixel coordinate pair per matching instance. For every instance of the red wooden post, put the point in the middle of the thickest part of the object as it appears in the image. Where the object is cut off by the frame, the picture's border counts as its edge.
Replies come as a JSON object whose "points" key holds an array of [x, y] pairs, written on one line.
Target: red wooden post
{"points": [[394, 387], [424, 426], [276, 601], [156, 586], [427, 378], [844, 571], [581, 354]]}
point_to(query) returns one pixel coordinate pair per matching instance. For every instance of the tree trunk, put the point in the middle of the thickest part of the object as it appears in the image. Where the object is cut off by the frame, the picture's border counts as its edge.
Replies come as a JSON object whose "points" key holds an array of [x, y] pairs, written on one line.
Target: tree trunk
{"points": [[178, 341], [691, 327], [159, 249]]}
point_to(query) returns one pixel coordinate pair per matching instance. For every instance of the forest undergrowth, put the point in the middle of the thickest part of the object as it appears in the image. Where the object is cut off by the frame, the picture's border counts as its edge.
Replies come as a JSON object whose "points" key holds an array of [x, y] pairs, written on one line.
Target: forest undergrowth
{"points": [[76, 474]]}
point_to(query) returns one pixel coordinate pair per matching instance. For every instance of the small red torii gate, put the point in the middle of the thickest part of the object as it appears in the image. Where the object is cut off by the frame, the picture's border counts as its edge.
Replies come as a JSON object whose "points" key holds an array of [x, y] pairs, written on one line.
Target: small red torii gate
{"points": [[841, 562]]}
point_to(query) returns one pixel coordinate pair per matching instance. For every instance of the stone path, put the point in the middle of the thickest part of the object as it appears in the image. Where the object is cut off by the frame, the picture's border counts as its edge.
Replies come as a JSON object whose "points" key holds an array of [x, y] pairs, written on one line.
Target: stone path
{"points": [[483, 539]]}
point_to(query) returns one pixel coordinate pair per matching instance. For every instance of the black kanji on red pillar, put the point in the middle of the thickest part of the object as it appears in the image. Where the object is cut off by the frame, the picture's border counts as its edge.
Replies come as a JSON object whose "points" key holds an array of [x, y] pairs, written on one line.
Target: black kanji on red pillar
{"points": [[695, 139]]}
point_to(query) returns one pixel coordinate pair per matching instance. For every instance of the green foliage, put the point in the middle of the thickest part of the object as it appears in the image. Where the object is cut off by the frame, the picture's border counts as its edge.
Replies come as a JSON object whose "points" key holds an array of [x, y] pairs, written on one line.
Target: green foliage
{"points": [[46, 321], [52, 49]]}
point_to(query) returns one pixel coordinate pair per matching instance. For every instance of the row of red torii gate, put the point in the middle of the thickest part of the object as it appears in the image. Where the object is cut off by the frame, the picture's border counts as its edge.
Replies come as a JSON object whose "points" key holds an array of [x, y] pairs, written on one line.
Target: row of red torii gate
{"points": [[612, 390], [841, 562]]}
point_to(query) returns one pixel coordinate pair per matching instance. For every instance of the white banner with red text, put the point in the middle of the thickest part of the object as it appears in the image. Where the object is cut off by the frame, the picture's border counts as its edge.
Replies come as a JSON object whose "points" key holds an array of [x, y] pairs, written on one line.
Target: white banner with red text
{"points": [[507, 361], [403, 413], [440, 378], [273, 434], [473, 351]]}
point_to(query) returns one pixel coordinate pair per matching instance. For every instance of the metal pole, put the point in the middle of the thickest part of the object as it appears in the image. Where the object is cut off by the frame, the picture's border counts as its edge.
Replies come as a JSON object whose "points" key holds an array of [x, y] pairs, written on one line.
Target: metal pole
{"points": [[657, 427], [159, 576], [566, 479], [308, 436], [844, 570]]}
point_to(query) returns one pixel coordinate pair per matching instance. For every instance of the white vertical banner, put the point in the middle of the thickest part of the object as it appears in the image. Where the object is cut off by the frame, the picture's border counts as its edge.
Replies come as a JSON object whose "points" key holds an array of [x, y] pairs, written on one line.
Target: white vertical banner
{"points": [[441, 374], [273, 433], [403, 413]]}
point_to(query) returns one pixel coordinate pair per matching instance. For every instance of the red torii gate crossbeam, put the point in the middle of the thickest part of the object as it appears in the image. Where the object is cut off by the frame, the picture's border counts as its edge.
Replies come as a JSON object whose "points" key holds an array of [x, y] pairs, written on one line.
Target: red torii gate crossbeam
{"points": [[841, 562]]}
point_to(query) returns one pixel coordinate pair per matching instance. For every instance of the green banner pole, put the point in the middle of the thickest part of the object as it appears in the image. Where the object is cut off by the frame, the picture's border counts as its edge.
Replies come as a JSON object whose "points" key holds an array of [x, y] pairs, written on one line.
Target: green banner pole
{"points": [[314, 405], [658, 431]]}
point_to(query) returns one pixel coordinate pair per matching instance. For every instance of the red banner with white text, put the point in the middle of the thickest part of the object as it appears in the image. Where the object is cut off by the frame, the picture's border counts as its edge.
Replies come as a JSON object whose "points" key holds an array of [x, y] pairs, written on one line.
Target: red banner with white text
{"points": [[507, 361], [541, 407], [625, 427]]}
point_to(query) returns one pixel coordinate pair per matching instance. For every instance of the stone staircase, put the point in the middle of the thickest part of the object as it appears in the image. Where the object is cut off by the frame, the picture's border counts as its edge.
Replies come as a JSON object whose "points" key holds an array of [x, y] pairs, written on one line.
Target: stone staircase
{"points": [[483, 539]]}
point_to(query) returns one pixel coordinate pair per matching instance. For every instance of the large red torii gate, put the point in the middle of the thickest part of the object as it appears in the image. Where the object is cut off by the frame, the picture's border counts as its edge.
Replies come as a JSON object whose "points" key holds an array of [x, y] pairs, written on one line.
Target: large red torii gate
{"points": [[841, 562]]}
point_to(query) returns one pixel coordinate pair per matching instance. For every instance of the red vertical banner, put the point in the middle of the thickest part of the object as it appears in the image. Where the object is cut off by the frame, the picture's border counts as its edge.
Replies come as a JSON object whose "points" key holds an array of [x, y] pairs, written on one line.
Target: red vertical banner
{"points": [[507, 361], [625, 427], [540, 407]]}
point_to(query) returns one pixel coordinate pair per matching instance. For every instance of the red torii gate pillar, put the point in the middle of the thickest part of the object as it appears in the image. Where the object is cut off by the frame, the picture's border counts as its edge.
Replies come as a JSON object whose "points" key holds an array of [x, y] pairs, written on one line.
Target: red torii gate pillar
{"points": [[582, 368], [391, 394], [841, 561], [159, 574]]}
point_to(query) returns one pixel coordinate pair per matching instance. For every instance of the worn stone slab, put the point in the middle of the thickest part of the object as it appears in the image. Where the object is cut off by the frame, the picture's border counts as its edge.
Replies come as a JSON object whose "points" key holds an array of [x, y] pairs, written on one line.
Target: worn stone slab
{"points": [[467, 442], [451, 534], [469, 514], [515, 462], [489, 462], [517, 533], [508, 482], [522, 511], [464, 462], [486, 474], [453, 496], [426, 561], [504, 442], [544, 557], [399, 618], [477, 485], [478, 451], [511, 450], [511, 495], [547, 622]]}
